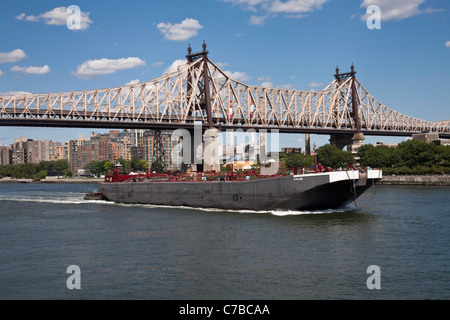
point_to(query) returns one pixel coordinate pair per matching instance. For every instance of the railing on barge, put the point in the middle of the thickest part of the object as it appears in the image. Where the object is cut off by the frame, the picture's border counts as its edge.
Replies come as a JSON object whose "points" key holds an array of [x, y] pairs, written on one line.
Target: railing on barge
{"points": [[188, 177], [243, 175]]}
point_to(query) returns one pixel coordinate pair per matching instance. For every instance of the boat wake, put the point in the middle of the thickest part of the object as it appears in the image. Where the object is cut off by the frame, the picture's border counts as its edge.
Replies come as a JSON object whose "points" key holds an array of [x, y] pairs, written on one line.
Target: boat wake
{"points": [[281, 213], [78, 199], [54, 200]]}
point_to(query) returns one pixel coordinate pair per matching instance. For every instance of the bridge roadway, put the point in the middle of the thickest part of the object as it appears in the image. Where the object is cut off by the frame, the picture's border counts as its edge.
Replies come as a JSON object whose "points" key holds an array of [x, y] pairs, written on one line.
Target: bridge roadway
{"points": [[169, 124]]}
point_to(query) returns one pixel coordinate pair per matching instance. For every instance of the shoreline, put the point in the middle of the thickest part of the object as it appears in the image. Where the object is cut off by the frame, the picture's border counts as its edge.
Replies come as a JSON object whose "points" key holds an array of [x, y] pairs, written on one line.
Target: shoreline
{"points": [[53, 181], [416, 180], [410, 180]]}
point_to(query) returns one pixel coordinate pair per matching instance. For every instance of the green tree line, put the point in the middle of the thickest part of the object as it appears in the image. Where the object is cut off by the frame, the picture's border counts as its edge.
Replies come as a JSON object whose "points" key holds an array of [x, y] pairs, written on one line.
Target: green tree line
{"points": [[410, 157], [35, 171], [327, 155], [98, 168]]}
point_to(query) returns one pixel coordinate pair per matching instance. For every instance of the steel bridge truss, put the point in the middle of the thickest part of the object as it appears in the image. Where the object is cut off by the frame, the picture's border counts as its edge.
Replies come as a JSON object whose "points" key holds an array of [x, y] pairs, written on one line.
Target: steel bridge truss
{"points": [[199, 91]]}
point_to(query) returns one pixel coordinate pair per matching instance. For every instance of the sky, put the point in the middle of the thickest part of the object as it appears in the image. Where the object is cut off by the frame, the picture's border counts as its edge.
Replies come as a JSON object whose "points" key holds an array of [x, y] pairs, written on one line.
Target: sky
{"points": [[400, 49]]}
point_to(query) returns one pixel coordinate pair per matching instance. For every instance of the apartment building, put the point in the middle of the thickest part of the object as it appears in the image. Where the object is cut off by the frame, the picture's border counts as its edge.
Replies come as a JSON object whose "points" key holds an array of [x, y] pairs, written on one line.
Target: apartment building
{"points": [[148, 145]]}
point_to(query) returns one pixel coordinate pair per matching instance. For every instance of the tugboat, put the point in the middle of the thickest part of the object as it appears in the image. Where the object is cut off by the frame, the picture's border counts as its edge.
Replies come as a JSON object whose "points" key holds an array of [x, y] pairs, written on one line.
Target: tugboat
{"points": [[95, 196]]}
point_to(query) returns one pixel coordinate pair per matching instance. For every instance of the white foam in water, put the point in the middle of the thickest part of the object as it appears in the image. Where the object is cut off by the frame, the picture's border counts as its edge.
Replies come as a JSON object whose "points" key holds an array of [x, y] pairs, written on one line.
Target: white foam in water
{"points": [[279, 213], [80, 200], [283, 213]]}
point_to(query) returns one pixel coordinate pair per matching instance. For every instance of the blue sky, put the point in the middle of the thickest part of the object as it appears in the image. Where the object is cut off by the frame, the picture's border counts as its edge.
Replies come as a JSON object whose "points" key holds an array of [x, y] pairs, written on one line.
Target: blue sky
{"points": [[289, 43]]}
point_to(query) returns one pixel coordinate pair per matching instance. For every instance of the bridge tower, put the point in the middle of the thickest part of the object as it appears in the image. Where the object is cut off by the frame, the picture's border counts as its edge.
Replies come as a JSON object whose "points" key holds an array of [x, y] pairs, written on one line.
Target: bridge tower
{"points": [[203, 96], [158, 147], [352, 141]]}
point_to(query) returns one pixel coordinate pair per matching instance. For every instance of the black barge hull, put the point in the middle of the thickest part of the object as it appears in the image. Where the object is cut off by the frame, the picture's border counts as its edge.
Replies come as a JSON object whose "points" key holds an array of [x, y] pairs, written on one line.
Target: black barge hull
{"points": [[329, 190]]}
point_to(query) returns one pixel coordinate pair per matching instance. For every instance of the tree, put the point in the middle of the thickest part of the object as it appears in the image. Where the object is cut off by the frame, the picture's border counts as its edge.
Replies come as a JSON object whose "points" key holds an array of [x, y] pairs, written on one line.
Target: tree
{"points": [[68, 173], [378, 157], [25, 170], [417, 153], [227, 167], [298, 160], [108, 166], [158, 166], [443, 155], [40, 175], [58, 165], [138, 165], [97, 168], [330, 156], [61, 165]]}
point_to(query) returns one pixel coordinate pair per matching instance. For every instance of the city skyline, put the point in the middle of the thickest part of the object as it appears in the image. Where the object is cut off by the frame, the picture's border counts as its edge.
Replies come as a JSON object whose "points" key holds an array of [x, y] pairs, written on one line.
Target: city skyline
{"points": [[404, 63], [111, 146]]}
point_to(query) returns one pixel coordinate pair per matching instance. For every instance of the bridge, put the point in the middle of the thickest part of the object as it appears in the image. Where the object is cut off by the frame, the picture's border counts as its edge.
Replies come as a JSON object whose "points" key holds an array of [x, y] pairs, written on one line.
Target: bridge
{"points": [[200, 92]]}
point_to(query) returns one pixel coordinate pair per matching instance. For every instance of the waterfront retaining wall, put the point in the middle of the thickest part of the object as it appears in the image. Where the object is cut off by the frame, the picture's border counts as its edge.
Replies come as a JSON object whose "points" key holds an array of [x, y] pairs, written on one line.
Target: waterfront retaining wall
{"points": [[416, 180]]}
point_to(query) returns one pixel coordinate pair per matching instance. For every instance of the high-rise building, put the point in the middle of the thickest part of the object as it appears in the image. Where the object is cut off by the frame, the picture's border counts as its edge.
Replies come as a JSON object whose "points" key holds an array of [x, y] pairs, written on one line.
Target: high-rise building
{"points": [[155, 145], [25, 150], [75, 154], [149, 145], [5, 155]]}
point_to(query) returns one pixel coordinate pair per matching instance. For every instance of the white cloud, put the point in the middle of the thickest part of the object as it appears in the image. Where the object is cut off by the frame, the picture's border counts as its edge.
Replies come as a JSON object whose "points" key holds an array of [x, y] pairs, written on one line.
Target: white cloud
{"points": [[12, 56], [133, 82], [32, 70], [289, 86], [431, 10], [447, 44], [185, 30], [397, 10], [292, 8], [237, 75], [173, 67], [93, 68], [248, 4], [267, 84], [264, 78], [221, 65], [1, 73], [15, 93], [158, 64], [296, 6], [257, 20], [23, 16], [315, 84], [58, 17]]}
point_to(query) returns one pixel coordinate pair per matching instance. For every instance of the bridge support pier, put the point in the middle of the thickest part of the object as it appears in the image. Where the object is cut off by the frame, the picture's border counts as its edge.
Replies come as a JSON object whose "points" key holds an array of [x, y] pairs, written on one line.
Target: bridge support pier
{"points": [[308, 144], [357, 141], [349, 140], [341, 140], [200, 151], [191, 142], [211, 156]]}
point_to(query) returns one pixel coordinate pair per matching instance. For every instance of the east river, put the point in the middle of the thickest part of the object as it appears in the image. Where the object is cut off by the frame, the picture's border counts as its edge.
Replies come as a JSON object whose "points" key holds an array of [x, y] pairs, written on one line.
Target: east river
{"points": [[163, 253]]}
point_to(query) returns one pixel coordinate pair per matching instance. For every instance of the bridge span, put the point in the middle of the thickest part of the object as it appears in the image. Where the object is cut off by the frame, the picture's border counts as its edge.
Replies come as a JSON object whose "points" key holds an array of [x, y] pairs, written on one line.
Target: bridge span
{"points": [[200, 92]]}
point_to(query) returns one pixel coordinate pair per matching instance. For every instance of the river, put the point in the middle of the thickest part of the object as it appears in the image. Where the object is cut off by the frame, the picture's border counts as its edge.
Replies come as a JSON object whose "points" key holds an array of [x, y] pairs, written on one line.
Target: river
{"points": [[163, 253]]}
